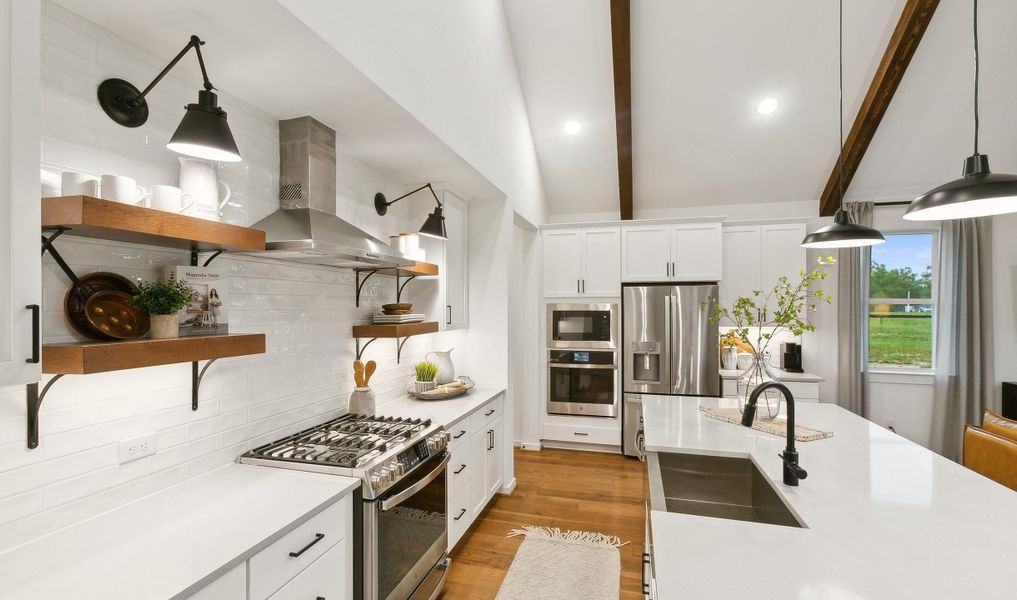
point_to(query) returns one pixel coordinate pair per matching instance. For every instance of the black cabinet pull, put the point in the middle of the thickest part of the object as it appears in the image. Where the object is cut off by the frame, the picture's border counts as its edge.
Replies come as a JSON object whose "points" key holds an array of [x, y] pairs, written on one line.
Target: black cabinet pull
{"points": [[448, 314], [320, 598], [489, 413], [461, 434], [577, 286], [460, 470], [579, 433], [317, 538], [462, 511], [36, 334]]}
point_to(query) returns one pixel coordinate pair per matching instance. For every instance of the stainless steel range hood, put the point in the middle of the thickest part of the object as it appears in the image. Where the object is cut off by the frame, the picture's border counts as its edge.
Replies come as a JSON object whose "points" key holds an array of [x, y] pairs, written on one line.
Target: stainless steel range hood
{"points": [[306, 229]]}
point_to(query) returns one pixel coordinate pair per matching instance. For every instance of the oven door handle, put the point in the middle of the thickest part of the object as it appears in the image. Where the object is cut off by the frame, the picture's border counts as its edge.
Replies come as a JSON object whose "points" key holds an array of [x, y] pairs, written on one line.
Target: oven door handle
{"points": [[557, 365], [394, 501]]}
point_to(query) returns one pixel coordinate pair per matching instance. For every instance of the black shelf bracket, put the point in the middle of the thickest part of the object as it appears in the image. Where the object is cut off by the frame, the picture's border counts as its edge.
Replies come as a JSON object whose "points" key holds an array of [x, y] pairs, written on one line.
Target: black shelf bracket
{"points": [[196, 376], [400, 342], [33, 403], [208, 261], [400, 286]]}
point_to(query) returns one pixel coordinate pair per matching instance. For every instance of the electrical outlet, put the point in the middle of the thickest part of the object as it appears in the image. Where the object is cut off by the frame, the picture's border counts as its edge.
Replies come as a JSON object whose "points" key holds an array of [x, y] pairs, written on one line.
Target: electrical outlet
{"points": [[135, 448]]}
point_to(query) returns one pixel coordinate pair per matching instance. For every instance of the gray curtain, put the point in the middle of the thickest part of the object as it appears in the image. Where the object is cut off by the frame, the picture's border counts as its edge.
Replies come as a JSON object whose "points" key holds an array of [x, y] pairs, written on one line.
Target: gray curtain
{"points": [[964, 376], [852, 323]]}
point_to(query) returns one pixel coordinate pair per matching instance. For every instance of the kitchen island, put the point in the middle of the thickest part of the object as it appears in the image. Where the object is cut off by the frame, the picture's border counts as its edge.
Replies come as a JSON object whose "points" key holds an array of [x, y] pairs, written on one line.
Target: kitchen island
{"points": [[883, 517]]}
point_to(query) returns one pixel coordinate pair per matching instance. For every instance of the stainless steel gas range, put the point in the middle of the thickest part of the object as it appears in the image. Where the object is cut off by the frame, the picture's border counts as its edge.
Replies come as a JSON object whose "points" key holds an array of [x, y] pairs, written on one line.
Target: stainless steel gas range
{"points": [[401, 545]]}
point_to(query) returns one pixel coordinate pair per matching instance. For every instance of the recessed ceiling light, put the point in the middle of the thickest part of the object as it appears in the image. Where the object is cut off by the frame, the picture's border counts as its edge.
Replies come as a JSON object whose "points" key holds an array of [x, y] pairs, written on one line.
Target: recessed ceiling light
{"points": [[572, 127], [767, 106]]}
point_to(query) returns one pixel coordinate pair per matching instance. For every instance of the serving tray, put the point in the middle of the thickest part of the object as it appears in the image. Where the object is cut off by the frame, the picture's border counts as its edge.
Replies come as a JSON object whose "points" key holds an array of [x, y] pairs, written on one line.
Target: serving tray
{"points": [[439, 396]]}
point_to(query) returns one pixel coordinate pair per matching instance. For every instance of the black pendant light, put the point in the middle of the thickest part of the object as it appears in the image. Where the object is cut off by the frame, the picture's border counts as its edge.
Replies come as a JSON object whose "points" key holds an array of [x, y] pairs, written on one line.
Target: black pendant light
{"points": [[203, 132], [843, 233], [979, 193], [434, 225]]}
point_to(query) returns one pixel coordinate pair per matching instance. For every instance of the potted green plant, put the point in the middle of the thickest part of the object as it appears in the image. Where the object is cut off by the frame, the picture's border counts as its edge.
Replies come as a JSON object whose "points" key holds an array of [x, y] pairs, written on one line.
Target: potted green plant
{"points": [[758, 319], [161, 300], [425, 376]]}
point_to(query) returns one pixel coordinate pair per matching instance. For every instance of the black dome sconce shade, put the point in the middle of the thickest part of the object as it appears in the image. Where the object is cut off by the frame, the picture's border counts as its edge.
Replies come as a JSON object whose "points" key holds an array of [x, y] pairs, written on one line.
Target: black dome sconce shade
{"points": [[202, 133], [434, 225]]}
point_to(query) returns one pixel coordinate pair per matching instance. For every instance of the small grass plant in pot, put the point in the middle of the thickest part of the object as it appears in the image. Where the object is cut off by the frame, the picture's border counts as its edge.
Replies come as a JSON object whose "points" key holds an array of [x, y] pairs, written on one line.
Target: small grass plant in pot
{"points": [[425, 376], [161, 300]]}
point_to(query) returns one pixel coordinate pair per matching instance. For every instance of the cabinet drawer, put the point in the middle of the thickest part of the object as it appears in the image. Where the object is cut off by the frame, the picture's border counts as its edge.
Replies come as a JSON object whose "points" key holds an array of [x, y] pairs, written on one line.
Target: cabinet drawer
{"points": [[485, 414], [231, 586], [458, 516], [275, 565], [328, 577], [803, 390], [728, 387], [583, 434], [461, 431], [459, 469]]}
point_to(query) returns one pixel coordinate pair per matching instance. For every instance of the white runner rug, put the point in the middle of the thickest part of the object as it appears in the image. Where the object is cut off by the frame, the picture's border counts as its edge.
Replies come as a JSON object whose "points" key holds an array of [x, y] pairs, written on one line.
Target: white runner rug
{"points": [[563, 565]]}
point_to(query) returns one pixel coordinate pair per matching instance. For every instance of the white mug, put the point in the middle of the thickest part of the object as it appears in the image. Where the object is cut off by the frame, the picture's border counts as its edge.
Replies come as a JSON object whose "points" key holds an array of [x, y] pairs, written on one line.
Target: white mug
{"points": [[78, 184], [121, 189], [169, 198]]}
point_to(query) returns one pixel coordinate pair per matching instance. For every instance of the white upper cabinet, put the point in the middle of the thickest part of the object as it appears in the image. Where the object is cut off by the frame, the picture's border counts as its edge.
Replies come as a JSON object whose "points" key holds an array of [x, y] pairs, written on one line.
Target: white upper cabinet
{"points": [[20, 265], [672, 252], [456, 263], [646, 253], [562, 271], [757, 256], [696, 252], [582, 262]]}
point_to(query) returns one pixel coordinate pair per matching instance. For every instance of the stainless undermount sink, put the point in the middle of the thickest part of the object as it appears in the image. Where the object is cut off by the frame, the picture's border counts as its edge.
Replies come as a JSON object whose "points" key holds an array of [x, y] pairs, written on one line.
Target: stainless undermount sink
{"points": [[715, 486]]}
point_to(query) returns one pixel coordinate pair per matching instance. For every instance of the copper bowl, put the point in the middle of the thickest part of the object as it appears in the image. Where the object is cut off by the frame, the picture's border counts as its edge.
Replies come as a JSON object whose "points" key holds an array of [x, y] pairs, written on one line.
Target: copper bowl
{"points": [[75, 300], [401, 308], [111, 313]]}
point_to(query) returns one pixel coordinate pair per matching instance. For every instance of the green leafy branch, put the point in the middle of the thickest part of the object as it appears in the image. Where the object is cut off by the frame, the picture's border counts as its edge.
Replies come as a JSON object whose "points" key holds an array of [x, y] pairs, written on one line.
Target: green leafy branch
{"points": [[783, 308]]}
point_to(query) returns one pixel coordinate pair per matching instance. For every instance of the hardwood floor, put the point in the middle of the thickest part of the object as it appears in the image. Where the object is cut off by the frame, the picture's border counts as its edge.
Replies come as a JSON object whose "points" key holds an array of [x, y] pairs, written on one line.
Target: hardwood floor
{"points": [[555, 488]]}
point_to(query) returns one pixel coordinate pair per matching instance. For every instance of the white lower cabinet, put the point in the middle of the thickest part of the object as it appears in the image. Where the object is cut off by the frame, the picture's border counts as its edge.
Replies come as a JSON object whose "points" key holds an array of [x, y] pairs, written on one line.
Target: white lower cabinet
{"points": [[475, 469], [324, 578], [231, 586], [289, 566]]}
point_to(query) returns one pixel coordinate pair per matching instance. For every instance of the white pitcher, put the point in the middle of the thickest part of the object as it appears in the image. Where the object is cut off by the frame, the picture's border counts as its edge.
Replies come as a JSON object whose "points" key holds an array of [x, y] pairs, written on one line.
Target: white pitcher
{"points": [[198, 180], [446, 370]]}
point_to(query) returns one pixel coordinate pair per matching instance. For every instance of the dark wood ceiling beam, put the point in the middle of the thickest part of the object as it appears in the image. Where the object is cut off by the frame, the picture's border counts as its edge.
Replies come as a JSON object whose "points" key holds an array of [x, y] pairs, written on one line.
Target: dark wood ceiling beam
{"points": [[621, 49], [914, 20]]}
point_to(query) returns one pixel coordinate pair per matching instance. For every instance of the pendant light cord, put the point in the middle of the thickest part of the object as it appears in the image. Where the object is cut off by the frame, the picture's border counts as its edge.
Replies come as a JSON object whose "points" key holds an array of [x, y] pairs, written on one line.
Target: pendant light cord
{"points": [[975, 37], [840, 113]]}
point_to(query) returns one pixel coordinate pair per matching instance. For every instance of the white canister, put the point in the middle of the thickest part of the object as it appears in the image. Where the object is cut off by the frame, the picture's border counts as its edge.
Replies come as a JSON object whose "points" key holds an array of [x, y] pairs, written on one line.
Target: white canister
{"points": [[411, 243], [169, 198], [78, 184], [121, 189], [398, 243]]}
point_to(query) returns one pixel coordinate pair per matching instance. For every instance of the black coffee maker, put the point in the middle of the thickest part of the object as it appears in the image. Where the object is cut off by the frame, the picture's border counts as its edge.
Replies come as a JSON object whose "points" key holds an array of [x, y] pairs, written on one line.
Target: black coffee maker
{"points": [[791, 357]]}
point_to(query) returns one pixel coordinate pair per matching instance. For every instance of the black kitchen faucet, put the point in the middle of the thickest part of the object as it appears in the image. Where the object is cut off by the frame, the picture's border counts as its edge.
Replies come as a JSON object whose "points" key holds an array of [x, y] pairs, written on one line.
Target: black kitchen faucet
{"points": [[792, 472]]}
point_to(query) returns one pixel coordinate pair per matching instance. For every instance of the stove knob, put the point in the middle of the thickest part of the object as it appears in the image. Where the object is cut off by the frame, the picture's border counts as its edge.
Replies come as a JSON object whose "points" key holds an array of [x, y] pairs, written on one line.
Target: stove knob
{"points": [[377, 483], [400, 469]]}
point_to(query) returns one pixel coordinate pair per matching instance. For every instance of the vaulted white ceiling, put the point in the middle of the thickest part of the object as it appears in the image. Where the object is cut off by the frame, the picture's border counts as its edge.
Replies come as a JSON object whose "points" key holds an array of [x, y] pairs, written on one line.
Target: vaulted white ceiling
{"points": [[699, 69]]}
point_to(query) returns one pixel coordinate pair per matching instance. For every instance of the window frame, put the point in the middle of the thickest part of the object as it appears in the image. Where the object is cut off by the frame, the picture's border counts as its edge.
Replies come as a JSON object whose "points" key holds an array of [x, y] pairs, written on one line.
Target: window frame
{"points": [[866, 303]]}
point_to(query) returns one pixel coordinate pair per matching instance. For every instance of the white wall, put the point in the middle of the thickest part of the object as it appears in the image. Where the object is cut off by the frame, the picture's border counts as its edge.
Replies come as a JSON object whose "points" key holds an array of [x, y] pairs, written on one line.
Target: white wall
{"points": [[450, 64], [526, 359], [306, 312], [1004, 295]]}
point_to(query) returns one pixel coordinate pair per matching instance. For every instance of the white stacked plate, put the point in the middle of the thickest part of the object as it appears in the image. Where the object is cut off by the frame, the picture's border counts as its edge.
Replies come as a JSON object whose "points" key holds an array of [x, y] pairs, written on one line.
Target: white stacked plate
{"points": [[389, 319]]}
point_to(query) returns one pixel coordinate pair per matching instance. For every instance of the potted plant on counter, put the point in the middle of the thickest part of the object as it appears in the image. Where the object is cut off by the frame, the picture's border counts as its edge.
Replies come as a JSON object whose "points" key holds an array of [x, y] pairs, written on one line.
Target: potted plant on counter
{"points": [[161, 300], [425, 376], [757, 319]]}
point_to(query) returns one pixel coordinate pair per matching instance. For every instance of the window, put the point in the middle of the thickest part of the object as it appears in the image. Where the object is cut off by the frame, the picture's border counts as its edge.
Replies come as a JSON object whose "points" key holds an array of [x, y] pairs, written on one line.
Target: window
{"points": [[901, 309]]}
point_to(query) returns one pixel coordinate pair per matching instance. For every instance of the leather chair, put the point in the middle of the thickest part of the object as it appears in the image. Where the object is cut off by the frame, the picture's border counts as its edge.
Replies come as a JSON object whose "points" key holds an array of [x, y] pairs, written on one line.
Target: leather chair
{"points": [[991, 455], [999, 425]]}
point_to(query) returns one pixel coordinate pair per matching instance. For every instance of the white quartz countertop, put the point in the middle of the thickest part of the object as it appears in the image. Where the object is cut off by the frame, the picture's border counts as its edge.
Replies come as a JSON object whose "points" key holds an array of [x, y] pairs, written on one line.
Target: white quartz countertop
{"points": [[445, 412], [780, 373], [172, 543], [885, 517]]}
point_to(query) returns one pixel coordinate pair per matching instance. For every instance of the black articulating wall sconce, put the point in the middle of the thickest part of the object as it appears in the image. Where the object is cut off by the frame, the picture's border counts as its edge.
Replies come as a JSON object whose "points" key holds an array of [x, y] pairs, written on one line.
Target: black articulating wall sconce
{"points": [[434, 226], [203, 132]]}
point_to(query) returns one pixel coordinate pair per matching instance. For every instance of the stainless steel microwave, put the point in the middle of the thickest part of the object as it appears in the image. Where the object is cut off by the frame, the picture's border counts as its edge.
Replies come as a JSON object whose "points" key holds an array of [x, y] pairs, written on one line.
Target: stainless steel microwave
{"points": [[582, 326]]}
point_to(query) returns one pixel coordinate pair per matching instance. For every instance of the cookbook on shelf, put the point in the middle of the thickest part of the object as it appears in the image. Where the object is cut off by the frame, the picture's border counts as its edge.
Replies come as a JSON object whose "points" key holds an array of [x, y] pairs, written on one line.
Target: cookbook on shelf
{"points": [[205, 313]]}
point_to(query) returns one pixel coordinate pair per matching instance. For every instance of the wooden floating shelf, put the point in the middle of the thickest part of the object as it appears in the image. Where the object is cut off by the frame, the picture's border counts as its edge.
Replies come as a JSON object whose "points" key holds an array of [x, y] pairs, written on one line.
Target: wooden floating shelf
{"points": [[90, 217], [421, 269], [100, 357], [397, 330]]}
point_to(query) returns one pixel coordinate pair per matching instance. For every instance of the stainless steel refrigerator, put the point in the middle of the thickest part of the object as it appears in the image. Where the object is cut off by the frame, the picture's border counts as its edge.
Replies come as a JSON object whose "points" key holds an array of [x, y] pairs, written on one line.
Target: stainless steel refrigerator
{"points": [[669, 346]]}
